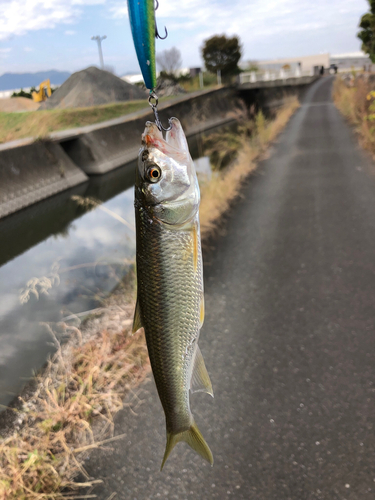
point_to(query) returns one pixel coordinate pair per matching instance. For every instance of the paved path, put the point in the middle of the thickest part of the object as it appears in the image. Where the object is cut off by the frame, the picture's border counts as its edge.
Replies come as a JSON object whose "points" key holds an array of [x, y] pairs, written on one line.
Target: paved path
{"points": [[288, 338]]}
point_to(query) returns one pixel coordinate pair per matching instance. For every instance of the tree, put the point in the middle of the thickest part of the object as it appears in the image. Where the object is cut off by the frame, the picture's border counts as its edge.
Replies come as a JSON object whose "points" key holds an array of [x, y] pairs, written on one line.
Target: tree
{"points": [[169, 61], [367, 33], [222, 53]]}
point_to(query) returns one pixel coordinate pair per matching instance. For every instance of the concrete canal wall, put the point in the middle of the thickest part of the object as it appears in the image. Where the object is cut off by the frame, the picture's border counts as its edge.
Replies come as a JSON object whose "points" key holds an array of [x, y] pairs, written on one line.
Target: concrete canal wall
{"points": [[100, 148], [31, 170]]}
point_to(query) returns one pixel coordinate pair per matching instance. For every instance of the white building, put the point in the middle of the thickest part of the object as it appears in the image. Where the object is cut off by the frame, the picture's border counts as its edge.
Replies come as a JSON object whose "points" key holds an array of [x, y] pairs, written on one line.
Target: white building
{"points": [[357, 61], [306, 64]]}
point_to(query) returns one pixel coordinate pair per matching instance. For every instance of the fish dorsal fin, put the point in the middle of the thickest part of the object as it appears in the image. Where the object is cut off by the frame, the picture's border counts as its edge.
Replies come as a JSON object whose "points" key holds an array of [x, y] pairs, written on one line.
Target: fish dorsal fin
{"points": [[137, 321], [200, 380]]}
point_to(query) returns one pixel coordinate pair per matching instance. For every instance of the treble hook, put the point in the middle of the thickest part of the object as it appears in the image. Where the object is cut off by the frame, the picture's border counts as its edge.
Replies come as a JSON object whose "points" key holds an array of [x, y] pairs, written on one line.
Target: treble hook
{"points": [[157, 35], [154, 107]]}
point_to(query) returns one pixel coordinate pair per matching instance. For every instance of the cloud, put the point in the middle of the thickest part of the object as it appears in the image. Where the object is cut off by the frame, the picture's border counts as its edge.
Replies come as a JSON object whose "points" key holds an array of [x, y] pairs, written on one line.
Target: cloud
{"points": [[119, 9], [271, 28], [17, 17], [70, 32], [266, 26]]}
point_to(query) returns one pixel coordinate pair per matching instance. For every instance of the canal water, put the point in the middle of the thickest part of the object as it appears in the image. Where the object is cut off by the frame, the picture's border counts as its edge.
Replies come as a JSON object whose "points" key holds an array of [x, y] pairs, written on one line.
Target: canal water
{"points": [[60, 258]]}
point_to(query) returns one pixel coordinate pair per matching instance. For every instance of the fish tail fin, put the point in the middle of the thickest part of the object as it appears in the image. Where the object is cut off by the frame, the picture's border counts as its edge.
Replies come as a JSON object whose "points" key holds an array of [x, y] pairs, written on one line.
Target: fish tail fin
{"points": [[193, 438]]}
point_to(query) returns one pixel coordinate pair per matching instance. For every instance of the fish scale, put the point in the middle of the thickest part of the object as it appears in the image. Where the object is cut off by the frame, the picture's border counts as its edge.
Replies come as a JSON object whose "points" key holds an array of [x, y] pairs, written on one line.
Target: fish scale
{"points": [[169, 279]]}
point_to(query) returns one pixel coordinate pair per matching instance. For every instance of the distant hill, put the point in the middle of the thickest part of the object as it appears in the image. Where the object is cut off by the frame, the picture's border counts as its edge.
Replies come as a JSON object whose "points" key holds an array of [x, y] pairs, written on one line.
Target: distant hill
{"points": [[10, 81]]}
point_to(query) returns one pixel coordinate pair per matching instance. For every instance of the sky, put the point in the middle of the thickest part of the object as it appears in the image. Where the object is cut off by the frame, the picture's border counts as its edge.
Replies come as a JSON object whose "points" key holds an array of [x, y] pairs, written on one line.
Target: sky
{"points": [[38, 35]]}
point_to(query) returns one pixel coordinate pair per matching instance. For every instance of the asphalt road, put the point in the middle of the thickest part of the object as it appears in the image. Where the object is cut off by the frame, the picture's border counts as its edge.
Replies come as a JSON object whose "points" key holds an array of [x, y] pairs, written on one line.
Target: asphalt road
{"points": [[288, 337]]}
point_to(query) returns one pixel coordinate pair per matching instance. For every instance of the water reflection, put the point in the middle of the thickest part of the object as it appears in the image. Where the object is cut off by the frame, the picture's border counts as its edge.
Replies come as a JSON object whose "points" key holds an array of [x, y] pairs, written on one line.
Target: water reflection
{"points": [[78, 255]]}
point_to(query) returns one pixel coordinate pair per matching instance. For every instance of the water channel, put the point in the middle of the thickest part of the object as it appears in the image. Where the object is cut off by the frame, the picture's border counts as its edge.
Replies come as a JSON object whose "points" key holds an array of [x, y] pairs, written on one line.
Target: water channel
{"points": [[59, 258]]}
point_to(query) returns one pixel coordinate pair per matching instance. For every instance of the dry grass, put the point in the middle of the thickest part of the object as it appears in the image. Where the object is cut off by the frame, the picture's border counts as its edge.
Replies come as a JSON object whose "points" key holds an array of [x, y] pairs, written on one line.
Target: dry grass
{"points": [[84, 383], [225, 185], [353, 98], [39, 124]]}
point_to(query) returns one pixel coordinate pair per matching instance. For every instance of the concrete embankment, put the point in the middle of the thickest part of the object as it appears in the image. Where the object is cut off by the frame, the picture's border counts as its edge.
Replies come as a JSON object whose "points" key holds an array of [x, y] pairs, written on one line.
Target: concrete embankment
{"points": [[31, 170], [96, 149]]}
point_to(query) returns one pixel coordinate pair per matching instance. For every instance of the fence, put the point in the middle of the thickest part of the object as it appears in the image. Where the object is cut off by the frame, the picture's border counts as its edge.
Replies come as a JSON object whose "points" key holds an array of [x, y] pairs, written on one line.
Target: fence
{"points": [[269, 75]]}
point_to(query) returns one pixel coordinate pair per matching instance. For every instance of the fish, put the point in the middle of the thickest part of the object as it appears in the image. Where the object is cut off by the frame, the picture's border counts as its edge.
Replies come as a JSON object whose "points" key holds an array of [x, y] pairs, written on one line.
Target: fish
{"points": [[143, 26], [170, 295]]}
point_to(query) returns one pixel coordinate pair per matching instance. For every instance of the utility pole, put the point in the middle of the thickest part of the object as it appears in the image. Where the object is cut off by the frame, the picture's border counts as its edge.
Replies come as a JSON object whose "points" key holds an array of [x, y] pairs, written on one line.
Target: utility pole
{"points": [[99, 41]]}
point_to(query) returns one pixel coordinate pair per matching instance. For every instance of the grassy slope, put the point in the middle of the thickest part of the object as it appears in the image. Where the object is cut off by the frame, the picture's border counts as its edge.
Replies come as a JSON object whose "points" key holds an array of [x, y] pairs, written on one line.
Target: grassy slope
{"points": [[41, 123], [355, 103], [89, 377]]}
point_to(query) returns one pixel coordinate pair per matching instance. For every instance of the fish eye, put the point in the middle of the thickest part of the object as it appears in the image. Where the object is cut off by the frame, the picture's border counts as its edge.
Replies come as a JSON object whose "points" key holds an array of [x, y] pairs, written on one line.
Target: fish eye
{"points": [[153, 173]]}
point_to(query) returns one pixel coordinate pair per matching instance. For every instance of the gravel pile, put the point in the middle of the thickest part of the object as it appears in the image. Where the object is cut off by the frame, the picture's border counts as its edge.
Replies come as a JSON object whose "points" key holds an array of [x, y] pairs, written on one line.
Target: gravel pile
{"points": [[92, 87]]}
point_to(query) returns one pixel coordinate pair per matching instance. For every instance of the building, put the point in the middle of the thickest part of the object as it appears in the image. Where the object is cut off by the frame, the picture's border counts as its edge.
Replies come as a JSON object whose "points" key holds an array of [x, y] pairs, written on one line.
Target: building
{"points": [[357, 61], [306, 64]]}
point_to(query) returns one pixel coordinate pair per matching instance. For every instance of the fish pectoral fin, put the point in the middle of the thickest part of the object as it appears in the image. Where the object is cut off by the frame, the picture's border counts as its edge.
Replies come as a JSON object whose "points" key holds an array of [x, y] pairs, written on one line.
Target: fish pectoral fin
{"points": [[200, 380], [137, 321], [193, 438]]}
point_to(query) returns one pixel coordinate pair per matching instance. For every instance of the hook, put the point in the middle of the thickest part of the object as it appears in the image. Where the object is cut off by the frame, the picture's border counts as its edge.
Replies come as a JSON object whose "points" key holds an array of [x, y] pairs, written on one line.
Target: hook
{"points": [[157, 34], [154, 107]]}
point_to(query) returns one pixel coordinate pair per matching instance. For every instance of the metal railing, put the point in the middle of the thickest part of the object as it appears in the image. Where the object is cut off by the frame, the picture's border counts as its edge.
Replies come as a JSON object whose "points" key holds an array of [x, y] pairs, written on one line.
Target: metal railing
{"points": [[269, 75]]}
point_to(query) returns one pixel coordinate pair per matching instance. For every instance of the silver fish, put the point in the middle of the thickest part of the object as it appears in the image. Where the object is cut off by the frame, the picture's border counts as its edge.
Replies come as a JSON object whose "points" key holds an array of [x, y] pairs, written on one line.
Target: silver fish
{"points": [[170, 302]]}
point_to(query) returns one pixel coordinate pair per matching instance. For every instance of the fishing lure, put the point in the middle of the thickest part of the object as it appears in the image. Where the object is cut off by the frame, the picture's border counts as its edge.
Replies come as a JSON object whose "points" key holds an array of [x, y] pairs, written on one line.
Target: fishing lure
{"points": [[144, 31]]}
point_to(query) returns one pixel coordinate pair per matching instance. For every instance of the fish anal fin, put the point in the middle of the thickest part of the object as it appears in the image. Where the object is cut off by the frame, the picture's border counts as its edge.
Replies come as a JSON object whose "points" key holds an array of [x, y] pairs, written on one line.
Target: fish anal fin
{"points": [[137, 321], [193, 438], [200, 380]]}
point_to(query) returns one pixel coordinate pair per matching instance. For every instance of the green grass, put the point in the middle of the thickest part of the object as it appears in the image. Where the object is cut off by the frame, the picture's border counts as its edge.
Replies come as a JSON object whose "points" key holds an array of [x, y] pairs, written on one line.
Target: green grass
{"points": [[41, 123], [192, 85]]}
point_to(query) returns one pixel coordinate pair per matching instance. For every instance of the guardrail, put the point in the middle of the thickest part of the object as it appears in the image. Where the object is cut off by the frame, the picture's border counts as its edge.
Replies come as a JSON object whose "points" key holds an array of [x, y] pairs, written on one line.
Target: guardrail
{"points": [[269, 75]]}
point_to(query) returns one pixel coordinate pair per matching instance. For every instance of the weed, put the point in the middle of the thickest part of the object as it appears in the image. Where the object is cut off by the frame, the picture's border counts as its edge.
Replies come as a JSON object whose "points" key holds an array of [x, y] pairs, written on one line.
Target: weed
{"points": [[84, 384], [355, 99]]}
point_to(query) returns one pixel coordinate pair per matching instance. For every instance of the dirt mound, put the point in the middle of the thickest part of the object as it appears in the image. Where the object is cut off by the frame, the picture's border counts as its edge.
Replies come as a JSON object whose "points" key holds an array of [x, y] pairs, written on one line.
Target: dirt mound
{"points": [[92, 87], [17, 104]]}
